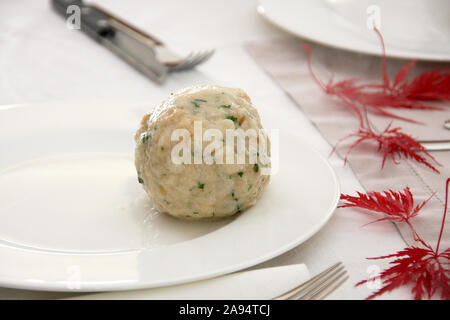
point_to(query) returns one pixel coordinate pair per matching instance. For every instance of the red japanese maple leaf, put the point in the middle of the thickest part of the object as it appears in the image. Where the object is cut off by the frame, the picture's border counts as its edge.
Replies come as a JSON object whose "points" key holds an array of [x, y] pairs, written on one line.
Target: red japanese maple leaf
{"points": [[397, 206], [396, 94], [427, 269], [393, 143], [429, 85], [360, 96]]}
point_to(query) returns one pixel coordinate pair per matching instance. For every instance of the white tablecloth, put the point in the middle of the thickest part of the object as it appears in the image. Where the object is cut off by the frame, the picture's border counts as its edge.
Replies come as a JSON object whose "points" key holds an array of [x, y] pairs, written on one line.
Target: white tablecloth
{"points": [[42, 60]]}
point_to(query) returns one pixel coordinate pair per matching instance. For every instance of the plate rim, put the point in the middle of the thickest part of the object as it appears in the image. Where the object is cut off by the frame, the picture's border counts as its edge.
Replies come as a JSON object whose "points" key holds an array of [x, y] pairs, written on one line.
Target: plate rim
{"points": [[392, 53]]}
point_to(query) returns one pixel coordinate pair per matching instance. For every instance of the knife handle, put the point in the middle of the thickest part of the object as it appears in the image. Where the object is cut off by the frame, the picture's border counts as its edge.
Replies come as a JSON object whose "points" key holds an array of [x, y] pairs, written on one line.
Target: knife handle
{"points": [[127, 25], [61, 5], [129, 43], [93, 22]]}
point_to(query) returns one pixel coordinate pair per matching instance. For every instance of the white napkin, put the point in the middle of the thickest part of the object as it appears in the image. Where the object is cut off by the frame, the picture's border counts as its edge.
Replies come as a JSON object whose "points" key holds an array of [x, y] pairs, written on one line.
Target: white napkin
{"points": [[260, 284]]}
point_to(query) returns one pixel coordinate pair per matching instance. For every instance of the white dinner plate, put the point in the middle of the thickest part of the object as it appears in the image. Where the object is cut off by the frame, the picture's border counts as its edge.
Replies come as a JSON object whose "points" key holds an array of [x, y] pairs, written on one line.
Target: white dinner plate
{"points": [[74, 217], [412, 29]]}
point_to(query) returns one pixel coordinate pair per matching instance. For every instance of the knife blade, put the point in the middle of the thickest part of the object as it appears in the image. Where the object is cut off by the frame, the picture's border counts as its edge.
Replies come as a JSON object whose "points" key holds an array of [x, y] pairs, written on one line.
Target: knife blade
{"points": [[436, 145]]}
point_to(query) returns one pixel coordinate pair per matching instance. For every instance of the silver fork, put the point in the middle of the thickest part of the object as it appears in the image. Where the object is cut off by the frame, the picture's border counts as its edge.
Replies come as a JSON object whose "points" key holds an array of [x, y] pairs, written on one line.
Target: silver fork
{"points": [[319, 286], [163, 54], [193, 59], [144, 52]]}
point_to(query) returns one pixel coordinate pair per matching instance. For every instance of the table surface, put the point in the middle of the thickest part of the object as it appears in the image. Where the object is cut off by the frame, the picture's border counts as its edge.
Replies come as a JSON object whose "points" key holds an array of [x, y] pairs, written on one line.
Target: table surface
{"points": [[42, 60]]}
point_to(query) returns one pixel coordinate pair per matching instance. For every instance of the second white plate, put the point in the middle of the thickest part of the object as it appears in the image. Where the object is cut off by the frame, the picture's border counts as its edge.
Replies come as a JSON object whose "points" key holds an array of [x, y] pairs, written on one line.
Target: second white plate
{"points": [[73, 217], [412, 29]]}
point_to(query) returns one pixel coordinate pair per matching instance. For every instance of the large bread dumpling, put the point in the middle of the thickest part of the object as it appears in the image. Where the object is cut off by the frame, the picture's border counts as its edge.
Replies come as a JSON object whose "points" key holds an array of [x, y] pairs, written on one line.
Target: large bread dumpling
{"points": [[196, 191]]}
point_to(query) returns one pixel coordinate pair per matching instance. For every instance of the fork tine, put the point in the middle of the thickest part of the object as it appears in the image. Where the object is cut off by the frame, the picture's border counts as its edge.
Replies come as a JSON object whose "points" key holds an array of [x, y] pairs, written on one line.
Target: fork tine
{"points": [[184, 62], [202, 57], [326, 291], [192, 60], [206, 55], [308, 283], [326, 287], [302, 294]]}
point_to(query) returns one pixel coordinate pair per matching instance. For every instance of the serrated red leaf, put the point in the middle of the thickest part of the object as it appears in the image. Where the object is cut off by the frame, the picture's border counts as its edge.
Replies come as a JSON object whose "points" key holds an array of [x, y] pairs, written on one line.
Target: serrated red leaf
{"points": [[377, 96], [397, 206], [417, 266], [425, 268], [403, 73], [393, 143], [429, 85]]}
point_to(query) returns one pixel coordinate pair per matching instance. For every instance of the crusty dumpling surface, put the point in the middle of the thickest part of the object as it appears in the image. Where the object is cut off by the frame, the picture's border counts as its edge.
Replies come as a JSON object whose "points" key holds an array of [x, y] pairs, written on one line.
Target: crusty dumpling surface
{"points": [[196, 191]]}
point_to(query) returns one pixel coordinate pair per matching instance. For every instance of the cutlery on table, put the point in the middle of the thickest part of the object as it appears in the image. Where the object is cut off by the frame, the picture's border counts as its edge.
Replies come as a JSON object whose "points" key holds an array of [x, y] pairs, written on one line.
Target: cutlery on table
{"points": [[437, 145], [261, 284], [320, 286], [141, 50], [447, 124]]}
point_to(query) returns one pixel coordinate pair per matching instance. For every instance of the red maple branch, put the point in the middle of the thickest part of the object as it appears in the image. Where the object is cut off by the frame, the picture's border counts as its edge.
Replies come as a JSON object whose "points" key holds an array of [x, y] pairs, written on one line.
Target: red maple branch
{"points": [[425, 268], [392, 143], [396, 94]]}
